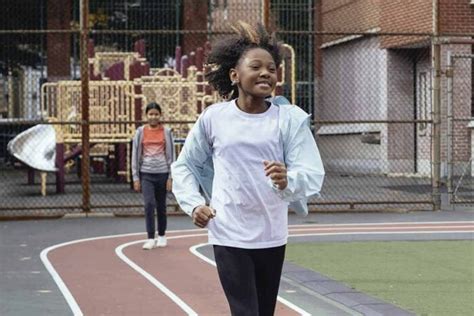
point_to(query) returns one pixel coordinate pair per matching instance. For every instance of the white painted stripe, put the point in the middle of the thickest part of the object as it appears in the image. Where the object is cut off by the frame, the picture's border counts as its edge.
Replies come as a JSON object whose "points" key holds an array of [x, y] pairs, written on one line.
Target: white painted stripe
{"points": [[388, 228], [382, 224], [293, 307], [119, 251], [77, 311], [194, 251], [384, 233], [59, 282]]}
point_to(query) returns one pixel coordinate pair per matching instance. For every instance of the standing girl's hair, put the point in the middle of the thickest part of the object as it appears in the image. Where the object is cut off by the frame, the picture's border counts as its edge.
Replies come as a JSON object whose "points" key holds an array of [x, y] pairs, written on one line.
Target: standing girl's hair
{"points": [[151, 106], [226, 54]]}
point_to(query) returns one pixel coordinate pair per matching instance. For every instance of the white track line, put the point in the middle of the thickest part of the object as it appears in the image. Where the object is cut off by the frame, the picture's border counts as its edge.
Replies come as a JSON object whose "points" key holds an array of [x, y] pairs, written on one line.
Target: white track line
{"points": [[60, 283], [77, 311], [375, 228], [194, 251], [382, 224], [385, 233], [119, 251]]}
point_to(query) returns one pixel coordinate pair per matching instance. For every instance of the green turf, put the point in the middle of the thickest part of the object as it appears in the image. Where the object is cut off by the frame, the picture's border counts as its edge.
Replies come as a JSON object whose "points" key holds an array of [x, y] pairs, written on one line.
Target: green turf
{"points": [[426, 277]]}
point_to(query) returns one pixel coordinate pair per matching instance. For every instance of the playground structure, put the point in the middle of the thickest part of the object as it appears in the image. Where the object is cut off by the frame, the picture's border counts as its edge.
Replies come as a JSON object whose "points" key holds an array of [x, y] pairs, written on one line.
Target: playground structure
{"points": [[121, 84]]}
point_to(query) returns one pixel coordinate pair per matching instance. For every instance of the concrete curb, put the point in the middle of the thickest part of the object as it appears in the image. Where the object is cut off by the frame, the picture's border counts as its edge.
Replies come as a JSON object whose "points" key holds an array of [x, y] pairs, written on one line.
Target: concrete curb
{"points": [[340, 293]]}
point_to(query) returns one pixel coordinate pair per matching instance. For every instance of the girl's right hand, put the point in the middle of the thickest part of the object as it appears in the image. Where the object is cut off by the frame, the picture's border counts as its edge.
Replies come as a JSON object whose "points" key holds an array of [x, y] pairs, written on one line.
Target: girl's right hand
{"points": [[202, 215], [136, 186]]}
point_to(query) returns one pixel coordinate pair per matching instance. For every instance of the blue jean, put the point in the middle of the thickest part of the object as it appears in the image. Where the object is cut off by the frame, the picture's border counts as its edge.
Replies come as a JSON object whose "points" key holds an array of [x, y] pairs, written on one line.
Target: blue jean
{"points": [[154, 195]]}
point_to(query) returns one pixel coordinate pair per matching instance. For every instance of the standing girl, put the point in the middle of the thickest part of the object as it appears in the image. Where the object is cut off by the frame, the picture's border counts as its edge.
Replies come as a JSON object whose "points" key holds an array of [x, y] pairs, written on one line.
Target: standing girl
{"points": [[243, 164], [152, 155]]}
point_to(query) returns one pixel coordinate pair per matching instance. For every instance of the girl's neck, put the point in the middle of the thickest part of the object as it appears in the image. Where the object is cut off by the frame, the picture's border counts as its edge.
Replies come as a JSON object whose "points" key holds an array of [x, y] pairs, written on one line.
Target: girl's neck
{"points": [[252, 105], [154, 126]]}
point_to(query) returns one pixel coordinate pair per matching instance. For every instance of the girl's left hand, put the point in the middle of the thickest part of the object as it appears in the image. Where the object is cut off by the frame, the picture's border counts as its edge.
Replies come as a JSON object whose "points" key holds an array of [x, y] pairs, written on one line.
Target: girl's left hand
{"points": [[277, 172], [137, 186], [169, 184]]}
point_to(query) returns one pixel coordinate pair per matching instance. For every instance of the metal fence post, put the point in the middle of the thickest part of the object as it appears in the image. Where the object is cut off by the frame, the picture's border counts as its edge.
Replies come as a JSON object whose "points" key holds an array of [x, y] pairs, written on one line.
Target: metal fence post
{"points": [[85, 170], [449, 143], [436, 111], [265, 12]]}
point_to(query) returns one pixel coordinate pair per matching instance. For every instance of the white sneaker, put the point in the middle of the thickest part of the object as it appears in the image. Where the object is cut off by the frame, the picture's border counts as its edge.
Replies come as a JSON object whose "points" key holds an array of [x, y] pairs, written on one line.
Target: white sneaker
{"points": [[149, 244], [161, 241]]}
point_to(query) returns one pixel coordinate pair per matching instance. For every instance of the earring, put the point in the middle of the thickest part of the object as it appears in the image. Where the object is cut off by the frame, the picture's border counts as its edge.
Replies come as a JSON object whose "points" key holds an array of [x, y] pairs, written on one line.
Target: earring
{"points": [[234, 82]]}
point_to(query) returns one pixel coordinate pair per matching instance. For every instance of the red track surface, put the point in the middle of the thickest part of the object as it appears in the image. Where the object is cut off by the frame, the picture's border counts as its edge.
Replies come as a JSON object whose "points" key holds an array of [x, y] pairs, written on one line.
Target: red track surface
{"points": [[114, 276]]}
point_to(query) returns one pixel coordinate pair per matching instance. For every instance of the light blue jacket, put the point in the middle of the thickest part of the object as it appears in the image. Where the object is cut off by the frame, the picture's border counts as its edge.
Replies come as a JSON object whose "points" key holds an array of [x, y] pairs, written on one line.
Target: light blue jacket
{"points": [[193, 171]]}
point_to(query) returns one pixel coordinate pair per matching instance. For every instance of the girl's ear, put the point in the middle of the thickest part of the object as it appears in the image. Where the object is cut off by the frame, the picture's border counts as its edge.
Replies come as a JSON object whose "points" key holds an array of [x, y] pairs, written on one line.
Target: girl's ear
{"points": [[234, 77]]}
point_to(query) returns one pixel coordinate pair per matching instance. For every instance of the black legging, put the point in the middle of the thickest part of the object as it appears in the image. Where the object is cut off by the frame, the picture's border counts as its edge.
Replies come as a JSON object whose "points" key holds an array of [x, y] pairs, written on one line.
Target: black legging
{"points": [[154, 195], [250, 278]]}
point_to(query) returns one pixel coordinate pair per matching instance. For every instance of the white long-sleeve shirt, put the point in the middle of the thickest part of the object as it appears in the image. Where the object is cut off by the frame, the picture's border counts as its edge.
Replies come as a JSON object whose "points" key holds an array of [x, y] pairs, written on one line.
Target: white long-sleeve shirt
{"points": [[249, 213], [223, 156]]}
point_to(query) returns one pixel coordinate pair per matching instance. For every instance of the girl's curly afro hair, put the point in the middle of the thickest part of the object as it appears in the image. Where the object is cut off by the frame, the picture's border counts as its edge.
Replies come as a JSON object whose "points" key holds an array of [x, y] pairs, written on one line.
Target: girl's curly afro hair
{"points": [[227, 53]]}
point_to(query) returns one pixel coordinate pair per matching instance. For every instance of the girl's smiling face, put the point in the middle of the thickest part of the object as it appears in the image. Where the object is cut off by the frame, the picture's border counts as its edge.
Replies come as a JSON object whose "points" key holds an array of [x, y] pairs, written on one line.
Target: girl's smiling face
{"points": [[256, 73], [153, 117]]}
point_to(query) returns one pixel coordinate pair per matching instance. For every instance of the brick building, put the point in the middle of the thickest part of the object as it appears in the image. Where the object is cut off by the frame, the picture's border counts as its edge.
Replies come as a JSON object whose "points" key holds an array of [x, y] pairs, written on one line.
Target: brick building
{"points": [[375, 64]]}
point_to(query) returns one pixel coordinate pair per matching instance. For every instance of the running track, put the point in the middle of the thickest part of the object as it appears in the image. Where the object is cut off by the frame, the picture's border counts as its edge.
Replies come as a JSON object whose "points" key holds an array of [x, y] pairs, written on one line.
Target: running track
{"points": [[112, 275]]}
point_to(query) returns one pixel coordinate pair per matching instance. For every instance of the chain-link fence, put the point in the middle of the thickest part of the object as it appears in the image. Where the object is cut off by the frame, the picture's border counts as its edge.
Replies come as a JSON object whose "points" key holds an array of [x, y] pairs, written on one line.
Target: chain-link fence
{"points": [[375, 123], [460, 129], [367, 78]]}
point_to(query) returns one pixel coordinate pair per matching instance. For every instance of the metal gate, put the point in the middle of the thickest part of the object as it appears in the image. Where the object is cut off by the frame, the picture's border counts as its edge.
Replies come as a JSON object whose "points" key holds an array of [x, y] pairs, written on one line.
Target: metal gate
{"points": [[460, 126]]}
